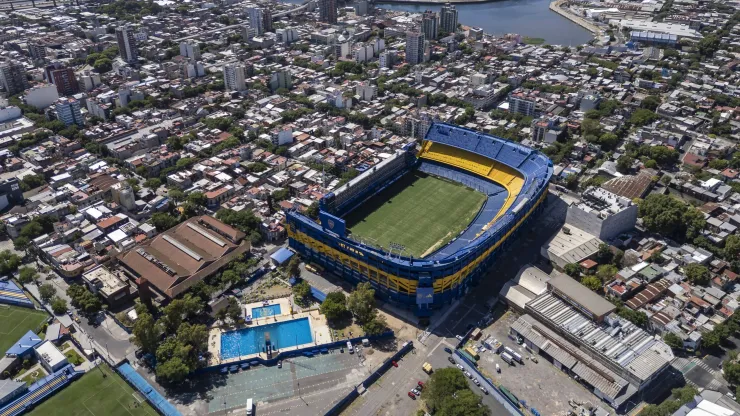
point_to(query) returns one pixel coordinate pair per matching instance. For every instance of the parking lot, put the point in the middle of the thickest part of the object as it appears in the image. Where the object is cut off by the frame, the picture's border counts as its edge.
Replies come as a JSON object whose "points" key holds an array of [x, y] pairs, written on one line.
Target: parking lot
{"points": [[540, 384], [303, 385]]}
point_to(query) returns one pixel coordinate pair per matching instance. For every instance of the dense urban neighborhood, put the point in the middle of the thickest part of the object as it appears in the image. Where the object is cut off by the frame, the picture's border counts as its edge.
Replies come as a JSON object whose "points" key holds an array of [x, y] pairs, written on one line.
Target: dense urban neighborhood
{"points": [[325, 207]]}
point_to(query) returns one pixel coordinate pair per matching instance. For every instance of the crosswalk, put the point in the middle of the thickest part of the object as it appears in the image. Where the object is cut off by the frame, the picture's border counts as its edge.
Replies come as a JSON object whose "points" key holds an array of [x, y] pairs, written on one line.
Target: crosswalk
{"points": [[685, 365]]}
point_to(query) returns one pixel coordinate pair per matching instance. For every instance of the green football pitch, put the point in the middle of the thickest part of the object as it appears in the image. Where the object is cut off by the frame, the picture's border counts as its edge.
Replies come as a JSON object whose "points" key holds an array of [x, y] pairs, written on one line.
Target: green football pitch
{"points": [[419, 211], [94, 394], [15, 322]]}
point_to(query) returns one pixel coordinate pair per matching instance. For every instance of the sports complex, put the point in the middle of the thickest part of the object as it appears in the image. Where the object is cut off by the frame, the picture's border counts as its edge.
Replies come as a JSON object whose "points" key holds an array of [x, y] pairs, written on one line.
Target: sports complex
{"points": [[424, 224]]}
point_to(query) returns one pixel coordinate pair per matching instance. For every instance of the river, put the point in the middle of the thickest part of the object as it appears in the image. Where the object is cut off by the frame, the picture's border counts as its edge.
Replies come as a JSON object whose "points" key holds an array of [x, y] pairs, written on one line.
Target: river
{"points": [[531, 18]]}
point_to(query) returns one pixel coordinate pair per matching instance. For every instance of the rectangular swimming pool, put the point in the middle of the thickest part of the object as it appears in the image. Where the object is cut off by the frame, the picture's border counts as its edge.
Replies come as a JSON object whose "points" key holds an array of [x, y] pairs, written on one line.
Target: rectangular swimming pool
{"points": [[263, 311], [252, 340]]}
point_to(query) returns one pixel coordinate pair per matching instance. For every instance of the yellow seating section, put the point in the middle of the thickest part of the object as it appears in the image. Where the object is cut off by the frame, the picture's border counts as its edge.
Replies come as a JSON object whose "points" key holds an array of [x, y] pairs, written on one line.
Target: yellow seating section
{"points": [[502, 174], [33, 396]]}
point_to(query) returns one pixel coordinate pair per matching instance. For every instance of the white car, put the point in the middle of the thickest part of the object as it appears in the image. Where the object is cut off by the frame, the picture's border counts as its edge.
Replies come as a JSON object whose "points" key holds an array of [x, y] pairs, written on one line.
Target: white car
{"points": [[415, 391], [477, 383], [459, 367], [470, 376], [459, 337]]}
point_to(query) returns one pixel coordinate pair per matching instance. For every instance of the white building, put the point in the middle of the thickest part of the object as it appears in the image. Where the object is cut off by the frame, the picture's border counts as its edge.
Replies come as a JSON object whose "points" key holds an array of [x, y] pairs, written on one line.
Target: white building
{"points": [[603, 214], [193, 69], [287, 35], [234, 78], [69, 111], [366, 91], [414, 47], [281, 79], [256, 20], [42, 96], [9, 113], [50, 357], [190, 49]]}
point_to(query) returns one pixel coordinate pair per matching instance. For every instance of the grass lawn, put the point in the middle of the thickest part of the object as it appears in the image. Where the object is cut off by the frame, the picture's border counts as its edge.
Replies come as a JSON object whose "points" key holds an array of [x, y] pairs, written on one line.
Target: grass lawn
{"points": [[95, 395], [73, 357], [420, 211], [15, 322], [33, 376]]}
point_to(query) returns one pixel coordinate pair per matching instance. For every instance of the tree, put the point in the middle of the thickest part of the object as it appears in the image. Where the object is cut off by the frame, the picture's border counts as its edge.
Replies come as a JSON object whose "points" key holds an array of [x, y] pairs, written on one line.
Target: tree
{"points": [[172, 371], [651, 102], [361, 302], [293, 268], [668, 216], [9, 262], [592, 282], [22, 243], [673, 341], [302, 291], [732, 247], [731, 372], [197, 198], [146, 332], [571, 182], [152, 183], [234, 310], [376, 325], [642, 117], [83, 299], [58, 305], [606, 272], [334, 306], [163, 221], [697, 274], [176, 194], [47, 291], [27, 275], [313, 210], [464, 403], [572, 270], [604, 255], [624, 163], [445, 385], [103, 65]]}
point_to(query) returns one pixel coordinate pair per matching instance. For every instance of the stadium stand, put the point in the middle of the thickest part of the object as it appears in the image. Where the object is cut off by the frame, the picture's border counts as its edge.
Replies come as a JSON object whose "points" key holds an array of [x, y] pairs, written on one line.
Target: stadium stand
{"points": [[11, 294], [157, 400], [40, 390], [474, 159]]}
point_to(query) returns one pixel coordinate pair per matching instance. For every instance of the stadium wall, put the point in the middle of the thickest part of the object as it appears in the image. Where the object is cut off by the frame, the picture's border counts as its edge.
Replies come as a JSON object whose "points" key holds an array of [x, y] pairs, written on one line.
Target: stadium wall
{"points": [[422, 284]]}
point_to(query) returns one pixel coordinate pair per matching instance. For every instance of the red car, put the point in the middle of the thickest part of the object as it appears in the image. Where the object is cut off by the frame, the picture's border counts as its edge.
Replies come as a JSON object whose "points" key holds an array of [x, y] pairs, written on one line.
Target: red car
{"points": [[395, 364], [412, 395], [421, 385]]}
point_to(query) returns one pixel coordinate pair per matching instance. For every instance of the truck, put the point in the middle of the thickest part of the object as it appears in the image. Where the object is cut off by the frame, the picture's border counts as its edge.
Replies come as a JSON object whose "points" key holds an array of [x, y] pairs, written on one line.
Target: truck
{"points": [[515, 355], [476, 333], [469, 357], [508, 359], [472, 353], [427, 368], [349, 347], [250, 407]]}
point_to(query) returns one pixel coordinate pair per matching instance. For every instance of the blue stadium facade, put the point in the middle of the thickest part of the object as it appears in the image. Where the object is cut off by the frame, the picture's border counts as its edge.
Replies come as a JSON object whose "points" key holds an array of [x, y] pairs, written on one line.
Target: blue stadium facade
{"points": [[514, 177]]}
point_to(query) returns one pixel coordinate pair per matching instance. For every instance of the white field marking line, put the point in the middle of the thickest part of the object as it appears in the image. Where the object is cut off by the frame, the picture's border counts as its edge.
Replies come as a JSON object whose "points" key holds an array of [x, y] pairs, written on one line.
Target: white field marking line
{"points": [[18, 324]]}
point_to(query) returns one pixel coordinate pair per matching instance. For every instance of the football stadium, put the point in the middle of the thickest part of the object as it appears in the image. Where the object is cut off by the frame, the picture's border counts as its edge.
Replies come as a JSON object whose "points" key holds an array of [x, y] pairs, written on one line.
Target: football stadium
{"points": [[424, 225]]}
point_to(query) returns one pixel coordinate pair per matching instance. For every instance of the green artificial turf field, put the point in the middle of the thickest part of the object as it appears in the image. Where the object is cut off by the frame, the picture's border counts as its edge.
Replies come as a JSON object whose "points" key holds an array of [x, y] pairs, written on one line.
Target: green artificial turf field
{"points": [[419, 211], [15, 321], [95, 395]]}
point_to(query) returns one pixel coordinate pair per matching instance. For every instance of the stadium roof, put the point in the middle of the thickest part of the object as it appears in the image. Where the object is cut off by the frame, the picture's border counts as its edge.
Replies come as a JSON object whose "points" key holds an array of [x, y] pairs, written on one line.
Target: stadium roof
{"points": [[23, 345], [8, 387], [584, 296]]}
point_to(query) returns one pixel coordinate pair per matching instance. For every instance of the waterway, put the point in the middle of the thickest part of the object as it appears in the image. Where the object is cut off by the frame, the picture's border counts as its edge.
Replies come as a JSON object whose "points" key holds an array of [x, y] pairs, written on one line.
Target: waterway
{"points": [[531, 18]]}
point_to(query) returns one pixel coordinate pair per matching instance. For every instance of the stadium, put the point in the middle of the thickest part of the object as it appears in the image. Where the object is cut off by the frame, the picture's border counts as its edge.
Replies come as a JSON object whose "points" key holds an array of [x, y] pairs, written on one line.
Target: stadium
{"points": [[424, 227]]}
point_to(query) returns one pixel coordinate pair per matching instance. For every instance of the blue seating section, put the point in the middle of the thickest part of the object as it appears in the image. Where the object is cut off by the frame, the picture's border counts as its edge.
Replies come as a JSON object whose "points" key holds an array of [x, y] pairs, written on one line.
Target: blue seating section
{"points": [[166, 408], [40, 390], [10, 294], [500, 150]]}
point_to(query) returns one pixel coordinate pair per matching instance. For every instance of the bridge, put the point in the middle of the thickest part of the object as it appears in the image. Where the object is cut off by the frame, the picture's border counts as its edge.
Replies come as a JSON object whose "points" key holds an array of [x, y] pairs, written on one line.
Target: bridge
{"points": [[275, 16]]}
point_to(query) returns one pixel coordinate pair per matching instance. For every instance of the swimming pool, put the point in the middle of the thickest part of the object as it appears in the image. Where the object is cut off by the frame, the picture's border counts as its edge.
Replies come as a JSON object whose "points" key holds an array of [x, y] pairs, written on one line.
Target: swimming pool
{"points": [[263, 311], [252, 340]]}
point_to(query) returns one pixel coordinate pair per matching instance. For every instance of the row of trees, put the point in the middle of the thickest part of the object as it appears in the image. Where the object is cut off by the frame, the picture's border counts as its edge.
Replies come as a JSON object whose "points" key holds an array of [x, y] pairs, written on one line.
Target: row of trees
{"points": [[448, 393], [360, 304]]}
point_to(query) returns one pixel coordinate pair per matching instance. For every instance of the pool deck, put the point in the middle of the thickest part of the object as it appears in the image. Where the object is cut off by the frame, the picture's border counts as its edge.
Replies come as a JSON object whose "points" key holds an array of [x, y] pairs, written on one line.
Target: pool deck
{"points": [[319, 327]]}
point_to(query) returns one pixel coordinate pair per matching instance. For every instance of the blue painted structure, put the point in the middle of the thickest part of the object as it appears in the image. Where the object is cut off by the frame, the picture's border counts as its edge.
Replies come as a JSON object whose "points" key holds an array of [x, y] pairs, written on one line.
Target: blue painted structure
{"points": [[423, 284], [11, 294], [40, 390], [153, 396]]}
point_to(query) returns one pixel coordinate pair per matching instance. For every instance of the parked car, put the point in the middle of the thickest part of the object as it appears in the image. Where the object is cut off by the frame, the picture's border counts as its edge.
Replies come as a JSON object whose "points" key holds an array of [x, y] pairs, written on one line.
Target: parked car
{"points": [[395, 364], [485, 390], [412, 395], [477, 383], [420, 385], [459, 337], [451, 360], [467, 374], [459, 367], [280, 364], [415, 391], [448, 350]]}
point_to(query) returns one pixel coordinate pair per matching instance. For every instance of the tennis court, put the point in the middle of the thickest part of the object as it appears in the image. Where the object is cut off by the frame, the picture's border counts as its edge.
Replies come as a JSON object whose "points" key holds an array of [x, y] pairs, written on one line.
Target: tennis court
{"points": [[100, 392], [15, 322]]}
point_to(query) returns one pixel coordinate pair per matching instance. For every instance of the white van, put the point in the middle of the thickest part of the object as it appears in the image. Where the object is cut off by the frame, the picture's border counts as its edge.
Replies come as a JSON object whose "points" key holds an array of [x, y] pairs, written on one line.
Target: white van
{"points": [[250, 407], [349, 347]]}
